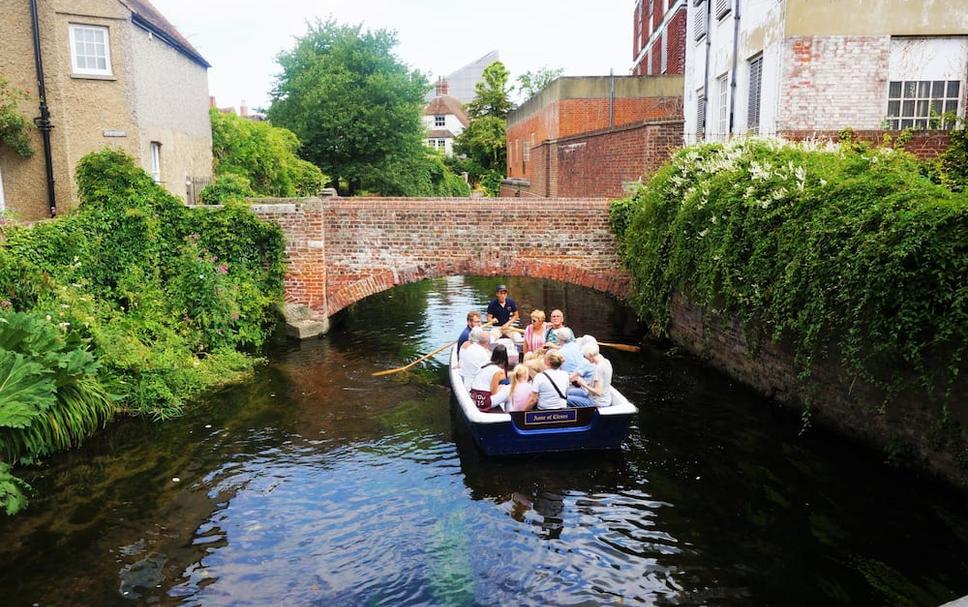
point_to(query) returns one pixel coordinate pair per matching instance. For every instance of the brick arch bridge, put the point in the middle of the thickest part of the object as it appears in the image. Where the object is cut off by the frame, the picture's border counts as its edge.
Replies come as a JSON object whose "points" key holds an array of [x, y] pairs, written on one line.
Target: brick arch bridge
{"points": [[341, 250]]}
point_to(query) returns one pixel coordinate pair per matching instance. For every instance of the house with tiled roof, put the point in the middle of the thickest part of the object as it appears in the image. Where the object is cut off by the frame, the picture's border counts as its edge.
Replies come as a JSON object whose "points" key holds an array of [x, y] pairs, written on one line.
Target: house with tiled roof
{"points": [[101, 73], [445, 119]]}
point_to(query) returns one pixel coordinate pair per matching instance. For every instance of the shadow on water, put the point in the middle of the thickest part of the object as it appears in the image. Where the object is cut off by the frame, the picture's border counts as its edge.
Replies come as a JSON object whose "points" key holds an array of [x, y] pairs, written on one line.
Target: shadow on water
{"points": [[316, 484]]}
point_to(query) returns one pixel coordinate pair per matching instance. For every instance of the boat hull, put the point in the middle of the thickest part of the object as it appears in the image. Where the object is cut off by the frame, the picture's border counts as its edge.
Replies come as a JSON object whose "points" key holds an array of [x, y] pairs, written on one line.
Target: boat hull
{"points": [[583, 429]]}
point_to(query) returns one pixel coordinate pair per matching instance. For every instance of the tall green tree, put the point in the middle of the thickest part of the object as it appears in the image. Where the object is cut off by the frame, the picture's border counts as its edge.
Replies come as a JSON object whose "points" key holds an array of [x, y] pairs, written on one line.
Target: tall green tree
{"points": [[491, 95], [532, 83], [354, 105], [263, 154], [482, 147]]}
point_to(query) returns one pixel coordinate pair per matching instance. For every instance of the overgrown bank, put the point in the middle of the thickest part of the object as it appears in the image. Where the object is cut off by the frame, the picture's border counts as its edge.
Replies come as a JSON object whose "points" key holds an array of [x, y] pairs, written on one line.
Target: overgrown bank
{"points": [[846, 254], [131, 304]]}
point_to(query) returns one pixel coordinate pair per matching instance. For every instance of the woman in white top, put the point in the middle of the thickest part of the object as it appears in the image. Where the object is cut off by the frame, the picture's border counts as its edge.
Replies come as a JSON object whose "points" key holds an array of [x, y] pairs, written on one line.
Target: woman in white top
{"points": [[489, 389], [551, 385]]}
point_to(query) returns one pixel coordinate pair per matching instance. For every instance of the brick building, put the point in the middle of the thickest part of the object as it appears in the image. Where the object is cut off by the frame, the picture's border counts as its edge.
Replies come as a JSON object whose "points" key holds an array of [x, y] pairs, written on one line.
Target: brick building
{"points": [[810, 68], [117, 74], [659, 37], [584, 136]]}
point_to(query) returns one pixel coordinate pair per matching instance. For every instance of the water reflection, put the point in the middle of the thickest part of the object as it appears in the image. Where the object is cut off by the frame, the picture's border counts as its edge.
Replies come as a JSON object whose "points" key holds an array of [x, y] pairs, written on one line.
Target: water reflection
{"points": [[317, 484]]}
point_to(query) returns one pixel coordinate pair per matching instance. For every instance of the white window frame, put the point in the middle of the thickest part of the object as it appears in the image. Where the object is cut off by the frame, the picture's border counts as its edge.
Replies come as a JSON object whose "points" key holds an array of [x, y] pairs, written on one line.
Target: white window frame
{"points": [[440, 120], [920, 104], [701, 114], [74, 28], [723, 92], [664, 66], [154, 156], [699, 25], [754, 97]]}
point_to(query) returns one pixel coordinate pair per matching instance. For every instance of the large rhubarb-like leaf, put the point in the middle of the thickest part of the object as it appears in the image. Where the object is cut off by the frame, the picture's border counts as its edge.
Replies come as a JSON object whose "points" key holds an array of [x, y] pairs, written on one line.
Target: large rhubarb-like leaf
{"points": [[26, 390]]}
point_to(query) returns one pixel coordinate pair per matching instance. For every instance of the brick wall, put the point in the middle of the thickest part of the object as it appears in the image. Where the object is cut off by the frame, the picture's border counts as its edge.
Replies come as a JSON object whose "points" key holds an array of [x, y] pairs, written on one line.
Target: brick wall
{"points": [[599, 163], [833, 82], [342, 250], [836, 399], [571, 117], [924, 144]]}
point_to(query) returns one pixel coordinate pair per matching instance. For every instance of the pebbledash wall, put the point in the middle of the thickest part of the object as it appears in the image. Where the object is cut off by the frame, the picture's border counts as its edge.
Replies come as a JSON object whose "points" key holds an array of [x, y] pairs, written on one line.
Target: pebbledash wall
{"points": [[341, 250]]}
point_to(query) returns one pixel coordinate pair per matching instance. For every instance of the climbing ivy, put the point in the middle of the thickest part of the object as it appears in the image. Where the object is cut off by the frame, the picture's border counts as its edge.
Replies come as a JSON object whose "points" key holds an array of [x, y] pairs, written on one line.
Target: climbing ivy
{"points": [[844, 251]]}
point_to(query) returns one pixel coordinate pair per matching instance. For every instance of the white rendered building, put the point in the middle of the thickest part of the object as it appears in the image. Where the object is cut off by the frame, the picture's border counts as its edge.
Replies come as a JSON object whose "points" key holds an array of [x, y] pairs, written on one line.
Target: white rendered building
{"points": [[444, 119]]}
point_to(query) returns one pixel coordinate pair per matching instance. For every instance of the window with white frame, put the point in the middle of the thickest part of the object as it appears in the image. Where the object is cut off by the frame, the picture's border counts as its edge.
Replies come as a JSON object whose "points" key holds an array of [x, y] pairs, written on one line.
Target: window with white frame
{"points": [[723, 7], [527, 151], [923, 104], [722, 84], [90, 50], [648, 62], [755, 93], [665, 53], [440, 120], [442, 143], [155, 152]]}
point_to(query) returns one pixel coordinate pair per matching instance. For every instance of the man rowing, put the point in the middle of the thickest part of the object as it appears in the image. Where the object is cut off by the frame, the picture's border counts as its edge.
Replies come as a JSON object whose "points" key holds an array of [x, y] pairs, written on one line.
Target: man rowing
{"points": [[502, 308]]}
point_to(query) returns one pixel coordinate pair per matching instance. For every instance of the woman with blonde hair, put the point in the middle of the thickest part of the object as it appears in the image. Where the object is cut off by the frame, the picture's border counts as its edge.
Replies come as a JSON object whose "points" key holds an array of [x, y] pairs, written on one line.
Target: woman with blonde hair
{"points": [[534, 335]]}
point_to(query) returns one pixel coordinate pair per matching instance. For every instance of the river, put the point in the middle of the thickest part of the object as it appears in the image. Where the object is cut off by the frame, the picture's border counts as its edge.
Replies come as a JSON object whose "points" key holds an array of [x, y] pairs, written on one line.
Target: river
{"points": [[314, 483]]}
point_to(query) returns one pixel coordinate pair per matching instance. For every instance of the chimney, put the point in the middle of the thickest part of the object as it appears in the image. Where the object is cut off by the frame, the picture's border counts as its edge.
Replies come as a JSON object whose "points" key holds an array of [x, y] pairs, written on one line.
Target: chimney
{"points": [[211, 101], [244, 110], [441, 86]]}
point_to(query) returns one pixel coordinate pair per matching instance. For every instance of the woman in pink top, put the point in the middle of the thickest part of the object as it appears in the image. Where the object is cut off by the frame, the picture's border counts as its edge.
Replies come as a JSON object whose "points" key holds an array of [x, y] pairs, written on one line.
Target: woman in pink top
{"points": [[534, 335], [520, 388]]}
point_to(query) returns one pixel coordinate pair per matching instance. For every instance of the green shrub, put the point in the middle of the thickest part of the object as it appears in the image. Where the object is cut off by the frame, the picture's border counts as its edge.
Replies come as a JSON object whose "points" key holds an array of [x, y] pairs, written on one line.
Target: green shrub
{"points": [[13, 124], [950, 168], [845, 252], [134, 295], [227, 187]]}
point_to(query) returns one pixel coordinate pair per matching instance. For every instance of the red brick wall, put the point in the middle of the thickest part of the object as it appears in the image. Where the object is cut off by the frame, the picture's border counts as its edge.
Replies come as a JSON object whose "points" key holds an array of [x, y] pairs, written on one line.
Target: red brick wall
{"points": [[675, 31], [574, 116], [342, 250], [924, 144], [677, 43]]}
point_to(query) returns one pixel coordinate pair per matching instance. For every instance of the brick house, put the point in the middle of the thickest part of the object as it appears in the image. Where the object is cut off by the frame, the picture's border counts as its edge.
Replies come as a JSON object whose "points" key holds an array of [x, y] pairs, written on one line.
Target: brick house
{"points": [[810, 68], [659, 37], [117, 74], [444, 119], [589, 136]]}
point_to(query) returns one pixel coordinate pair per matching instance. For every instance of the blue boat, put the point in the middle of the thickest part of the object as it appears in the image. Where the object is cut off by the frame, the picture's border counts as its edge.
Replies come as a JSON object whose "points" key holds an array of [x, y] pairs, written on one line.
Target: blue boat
{"points": [[522, 432]]}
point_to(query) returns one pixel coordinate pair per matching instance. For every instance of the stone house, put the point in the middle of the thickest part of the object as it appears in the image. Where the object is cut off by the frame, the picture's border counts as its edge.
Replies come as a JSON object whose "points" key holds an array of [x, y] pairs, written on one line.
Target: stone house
{"points": [[810, 68], [444, 119], [117, 74]]}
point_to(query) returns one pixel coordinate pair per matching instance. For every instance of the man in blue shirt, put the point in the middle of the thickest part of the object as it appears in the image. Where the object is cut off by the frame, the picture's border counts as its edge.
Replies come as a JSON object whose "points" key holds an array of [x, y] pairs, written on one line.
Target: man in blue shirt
{"points": [[473, 320], [503, 309]]}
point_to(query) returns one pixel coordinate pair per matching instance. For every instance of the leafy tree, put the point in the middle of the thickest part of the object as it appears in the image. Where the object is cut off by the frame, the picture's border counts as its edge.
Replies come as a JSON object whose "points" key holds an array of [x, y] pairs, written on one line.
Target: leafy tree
{"points": [[532, 83], [354, 105], [483, 144], [13, 125], [264, 155], [491, 96]]}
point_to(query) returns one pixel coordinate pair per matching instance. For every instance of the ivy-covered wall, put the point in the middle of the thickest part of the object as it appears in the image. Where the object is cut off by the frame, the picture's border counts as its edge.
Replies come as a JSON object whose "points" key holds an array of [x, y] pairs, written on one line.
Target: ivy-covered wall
{"points": [[845, 257]]}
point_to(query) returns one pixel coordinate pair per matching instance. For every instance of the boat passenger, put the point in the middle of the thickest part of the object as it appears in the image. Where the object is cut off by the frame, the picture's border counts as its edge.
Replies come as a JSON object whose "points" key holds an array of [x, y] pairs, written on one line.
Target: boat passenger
{"points": [[534, 334], [505, 337], [597, 392], [557, 322], [550, 386], [502, 309], [520, 389], [489, 389], [473, 320], [475, 355], [569, 349]]}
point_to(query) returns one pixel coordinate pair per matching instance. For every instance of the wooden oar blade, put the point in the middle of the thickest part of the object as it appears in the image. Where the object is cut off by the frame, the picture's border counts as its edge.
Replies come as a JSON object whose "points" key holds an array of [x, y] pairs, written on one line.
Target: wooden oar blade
{"points": [[623, 347]]}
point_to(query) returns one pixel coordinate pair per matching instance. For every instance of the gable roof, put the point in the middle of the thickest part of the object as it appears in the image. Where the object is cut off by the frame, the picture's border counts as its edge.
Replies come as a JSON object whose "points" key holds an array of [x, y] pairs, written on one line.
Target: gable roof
{"points": [[145, 15], [447, 104]]}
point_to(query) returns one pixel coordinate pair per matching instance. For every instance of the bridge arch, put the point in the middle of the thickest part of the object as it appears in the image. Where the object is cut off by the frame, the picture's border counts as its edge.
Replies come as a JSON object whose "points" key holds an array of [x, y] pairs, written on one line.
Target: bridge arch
{"points": [[341, 250]]}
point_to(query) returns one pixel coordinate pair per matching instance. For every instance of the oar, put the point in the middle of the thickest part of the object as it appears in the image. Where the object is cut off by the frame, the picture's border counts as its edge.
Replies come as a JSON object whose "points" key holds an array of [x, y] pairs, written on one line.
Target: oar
{"points": [[624, 347], [422, 358]]}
